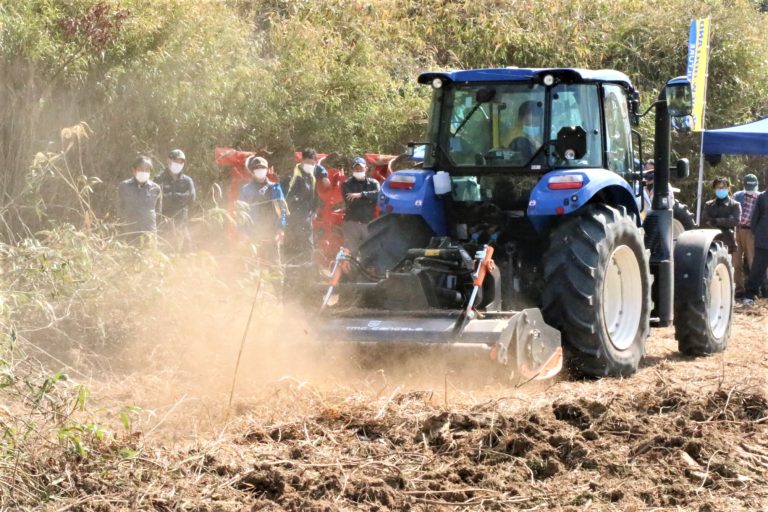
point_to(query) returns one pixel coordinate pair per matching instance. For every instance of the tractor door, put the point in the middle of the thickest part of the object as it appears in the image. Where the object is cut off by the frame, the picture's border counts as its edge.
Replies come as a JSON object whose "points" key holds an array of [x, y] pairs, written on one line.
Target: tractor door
{"points": [[618, 140]]}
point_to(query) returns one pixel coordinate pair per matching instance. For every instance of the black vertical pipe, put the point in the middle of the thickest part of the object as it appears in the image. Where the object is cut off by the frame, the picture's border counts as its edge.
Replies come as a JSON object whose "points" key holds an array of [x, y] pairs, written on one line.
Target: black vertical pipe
{"points": [[660, 227]]}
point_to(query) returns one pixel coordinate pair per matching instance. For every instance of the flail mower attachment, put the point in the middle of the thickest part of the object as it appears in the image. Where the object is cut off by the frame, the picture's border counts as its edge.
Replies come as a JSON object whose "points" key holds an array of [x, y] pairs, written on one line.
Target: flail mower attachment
{"points": [[519, 340]]}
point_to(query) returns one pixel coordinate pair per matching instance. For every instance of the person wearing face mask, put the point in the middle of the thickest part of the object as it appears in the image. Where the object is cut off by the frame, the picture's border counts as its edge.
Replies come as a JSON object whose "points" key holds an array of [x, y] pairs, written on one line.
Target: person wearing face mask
{"points": [[178, 196], [722, 213], [268, 214], [757, 272], [301, 195], [139, 201], [527, 136], [360, 196], [745, 241]]}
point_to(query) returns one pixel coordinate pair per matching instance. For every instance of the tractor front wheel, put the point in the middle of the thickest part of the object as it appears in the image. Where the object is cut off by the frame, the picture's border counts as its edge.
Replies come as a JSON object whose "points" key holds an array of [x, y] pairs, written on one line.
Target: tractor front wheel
{"points": [[598, 291], [703, 323]]}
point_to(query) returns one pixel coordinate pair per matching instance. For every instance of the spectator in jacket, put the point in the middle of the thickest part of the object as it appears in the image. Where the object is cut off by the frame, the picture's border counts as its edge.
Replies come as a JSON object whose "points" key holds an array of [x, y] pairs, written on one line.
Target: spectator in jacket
{"points": [[139, 201], [268, 214], [301, 195], [745, 242], [360, 196], [178, 196], [759, 227], [722, 213]]}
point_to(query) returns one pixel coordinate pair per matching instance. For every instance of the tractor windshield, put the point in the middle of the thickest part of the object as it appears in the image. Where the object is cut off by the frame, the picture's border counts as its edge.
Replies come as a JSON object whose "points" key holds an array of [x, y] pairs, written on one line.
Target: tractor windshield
{"points": [[493, 126], [505, 125]]}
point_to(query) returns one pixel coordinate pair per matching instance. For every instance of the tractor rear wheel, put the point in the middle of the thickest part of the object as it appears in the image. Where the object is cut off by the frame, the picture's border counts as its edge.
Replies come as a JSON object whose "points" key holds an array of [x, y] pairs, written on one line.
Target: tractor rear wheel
{"points": [[597, 291], [703, 325]]}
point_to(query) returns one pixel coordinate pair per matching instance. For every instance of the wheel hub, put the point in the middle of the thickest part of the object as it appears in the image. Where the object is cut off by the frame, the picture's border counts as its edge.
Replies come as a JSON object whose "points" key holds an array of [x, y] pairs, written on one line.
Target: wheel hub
{"points": [[622, 302], [719, 301]]}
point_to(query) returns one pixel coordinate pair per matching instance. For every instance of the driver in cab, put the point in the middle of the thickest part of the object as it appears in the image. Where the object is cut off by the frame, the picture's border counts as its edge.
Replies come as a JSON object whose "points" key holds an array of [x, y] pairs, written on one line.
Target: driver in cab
{"points": [[527, 135]]}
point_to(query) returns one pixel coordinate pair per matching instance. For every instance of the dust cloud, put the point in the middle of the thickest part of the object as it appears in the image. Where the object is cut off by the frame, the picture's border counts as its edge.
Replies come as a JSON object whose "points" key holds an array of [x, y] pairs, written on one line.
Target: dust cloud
{"points": [[179, 359]]}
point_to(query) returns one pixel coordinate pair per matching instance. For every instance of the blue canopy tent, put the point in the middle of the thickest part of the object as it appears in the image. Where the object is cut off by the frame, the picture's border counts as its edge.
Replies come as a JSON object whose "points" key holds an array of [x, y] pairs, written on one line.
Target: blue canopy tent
{"points": [[742, 139]]}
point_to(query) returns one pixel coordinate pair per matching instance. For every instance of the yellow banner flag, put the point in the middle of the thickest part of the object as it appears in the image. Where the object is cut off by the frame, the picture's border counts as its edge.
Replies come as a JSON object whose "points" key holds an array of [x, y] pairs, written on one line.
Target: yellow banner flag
{"points": [[698, 61]]}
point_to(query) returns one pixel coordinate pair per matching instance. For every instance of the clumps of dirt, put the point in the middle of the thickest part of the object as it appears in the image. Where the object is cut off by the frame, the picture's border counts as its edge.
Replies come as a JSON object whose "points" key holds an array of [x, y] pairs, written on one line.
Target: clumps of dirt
{"points": [[665, 447]]}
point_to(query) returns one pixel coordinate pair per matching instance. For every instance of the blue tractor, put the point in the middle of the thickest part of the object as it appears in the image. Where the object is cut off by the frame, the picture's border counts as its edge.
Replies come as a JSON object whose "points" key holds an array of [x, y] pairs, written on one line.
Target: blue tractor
{"points": [[526, 236]]}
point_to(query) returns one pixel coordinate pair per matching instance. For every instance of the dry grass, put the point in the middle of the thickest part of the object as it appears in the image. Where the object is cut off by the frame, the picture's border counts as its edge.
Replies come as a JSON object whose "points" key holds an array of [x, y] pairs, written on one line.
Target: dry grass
{"points": [[683, 434]]}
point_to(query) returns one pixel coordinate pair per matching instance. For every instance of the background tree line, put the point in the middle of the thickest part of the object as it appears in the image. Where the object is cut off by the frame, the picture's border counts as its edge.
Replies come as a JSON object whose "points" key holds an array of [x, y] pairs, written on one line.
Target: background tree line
{"points": [[87, 84]]}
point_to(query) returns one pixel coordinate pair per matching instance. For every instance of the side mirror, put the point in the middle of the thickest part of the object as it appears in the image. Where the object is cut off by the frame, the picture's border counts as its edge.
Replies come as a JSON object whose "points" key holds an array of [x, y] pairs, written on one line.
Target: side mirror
{"points": [[679, 98], [417, 150], [683, 168], [635, 110], [571, 142]]}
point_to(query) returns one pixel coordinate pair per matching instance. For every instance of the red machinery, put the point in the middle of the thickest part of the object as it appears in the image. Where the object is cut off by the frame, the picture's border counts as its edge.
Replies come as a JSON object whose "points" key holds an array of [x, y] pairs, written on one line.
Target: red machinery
{"points": [[330, 214]]}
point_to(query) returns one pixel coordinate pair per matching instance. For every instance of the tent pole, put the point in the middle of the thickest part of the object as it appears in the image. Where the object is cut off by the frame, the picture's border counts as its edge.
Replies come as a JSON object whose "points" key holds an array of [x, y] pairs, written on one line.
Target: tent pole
{"points": [[701, 173]]}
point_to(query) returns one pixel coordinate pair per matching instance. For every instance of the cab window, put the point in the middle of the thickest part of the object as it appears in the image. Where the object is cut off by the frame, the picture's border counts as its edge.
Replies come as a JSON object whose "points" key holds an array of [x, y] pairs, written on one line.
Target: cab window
{"points": [[618, 149], [577, 105]]}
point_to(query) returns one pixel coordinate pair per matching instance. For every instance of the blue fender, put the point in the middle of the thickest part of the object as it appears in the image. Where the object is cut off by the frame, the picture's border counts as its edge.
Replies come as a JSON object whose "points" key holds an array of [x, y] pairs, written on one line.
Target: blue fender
{"points": [[418, 199], [546, 202]]}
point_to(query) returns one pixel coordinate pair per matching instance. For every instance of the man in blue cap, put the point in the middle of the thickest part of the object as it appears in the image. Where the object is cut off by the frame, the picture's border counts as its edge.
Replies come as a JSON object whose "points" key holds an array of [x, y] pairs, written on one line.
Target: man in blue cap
{"points": [[745, 241], [360, 195], [268, 217]]}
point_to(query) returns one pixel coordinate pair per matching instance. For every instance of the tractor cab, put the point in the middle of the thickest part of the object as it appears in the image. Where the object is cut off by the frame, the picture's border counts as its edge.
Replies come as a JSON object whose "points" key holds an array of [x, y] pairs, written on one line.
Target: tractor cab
{"points": [[516, 120]]}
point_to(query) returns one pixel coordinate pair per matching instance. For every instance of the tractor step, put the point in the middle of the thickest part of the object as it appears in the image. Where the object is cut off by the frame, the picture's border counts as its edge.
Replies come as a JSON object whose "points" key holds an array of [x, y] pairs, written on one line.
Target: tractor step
{"points": [[519, 340]]}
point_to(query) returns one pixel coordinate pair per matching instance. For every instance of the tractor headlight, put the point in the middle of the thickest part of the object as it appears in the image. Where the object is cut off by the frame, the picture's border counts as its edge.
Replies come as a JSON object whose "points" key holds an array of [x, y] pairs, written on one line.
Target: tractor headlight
{"points": [[437, 83], [548, 80]]}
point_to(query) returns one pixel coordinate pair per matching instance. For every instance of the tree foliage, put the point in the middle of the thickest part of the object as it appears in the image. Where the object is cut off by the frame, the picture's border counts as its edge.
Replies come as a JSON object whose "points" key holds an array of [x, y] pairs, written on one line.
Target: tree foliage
{"points": [[338, 75]]}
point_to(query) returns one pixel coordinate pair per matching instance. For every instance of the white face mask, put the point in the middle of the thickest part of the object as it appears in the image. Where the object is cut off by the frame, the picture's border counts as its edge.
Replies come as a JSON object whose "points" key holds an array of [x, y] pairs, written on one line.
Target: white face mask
{"points": [[307, 168], [142, 176], [176, 167], [260, 174], [359, 175]]}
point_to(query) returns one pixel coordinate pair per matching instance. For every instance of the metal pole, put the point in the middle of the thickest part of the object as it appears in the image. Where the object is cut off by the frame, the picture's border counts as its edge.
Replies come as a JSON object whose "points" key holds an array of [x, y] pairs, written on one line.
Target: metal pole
{"points": [[242, 345], [701, 173]]}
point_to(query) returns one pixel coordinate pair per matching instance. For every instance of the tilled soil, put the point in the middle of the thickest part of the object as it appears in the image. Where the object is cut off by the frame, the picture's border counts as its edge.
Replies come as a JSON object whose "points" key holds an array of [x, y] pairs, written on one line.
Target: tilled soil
{"points": [[682, 434]]}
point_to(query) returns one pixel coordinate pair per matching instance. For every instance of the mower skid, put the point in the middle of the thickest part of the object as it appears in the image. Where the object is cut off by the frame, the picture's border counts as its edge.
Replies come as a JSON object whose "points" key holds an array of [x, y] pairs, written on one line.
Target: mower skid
{"points": [[521, 341]]}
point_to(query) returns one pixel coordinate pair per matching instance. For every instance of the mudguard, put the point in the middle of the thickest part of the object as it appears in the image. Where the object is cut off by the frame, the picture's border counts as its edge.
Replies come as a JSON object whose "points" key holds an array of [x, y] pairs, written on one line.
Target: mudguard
{"points": [[546, 202], [690, 261], [414, 197]]}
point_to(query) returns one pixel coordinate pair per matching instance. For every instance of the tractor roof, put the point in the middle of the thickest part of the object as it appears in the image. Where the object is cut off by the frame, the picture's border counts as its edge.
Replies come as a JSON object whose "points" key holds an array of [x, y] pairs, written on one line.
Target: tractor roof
{"points": [[523, 74]]}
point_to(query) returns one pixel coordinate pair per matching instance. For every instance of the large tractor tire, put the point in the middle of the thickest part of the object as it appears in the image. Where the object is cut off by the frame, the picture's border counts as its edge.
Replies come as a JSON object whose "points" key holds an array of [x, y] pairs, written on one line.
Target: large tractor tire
{"points": [[703, 320], [597, 291], [682, 219]]}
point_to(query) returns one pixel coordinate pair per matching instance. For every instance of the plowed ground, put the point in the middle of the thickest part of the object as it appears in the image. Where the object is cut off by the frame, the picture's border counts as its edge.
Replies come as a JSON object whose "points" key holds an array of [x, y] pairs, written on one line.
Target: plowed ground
{"points": [[682, 434]]}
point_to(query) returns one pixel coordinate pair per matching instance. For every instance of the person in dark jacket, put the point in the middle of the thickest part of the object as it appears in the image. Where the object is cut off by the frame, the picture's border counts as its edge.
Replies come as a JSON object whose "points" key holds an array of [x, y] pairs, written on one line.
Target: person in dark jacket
{"points": [[360, 196], [178, 196], [139, 201], [722, 213], [759, 228], [301, 196], [268, 217]]}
